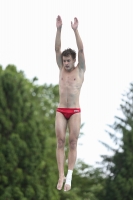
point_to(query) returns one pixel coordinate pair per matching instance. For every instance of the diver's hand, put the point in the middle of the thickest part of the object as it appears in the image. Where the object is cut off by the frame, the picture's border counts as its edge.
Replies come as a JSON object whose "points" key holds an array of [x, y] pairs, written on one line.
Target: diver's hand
{"points": [[75, 24], [58, 22]]}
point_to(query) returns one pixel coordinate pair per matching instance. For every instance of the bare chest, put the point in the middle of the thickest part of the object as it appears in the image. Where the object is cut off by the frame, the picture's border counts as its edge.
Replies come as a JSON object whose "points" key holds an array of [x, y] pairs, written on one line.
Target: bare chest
{"points": [[69, 79]]}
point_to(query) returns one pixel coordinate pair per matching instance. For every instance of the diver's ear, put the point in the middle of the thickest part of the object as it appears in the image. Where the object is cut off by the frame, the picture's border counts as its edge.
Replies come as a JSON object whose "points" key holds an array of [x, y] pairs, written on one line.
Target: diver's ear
{"points": [[74, 60]]}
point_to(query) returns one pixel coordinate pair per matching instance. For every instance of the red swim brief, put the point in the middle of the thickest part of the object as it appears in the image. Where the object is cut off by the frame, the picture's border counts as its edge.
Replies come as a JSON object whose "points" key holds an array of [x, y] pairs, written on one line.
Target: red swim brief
{"points": [[68, 112]]}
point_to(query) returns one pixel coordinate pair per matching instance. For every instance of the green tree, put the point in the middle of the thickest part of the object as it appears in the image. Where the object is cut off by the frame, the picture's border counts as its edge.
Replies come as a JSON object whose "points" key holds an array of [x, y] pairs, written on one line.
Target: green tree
{"points": [[26, 137], [119, 183]]}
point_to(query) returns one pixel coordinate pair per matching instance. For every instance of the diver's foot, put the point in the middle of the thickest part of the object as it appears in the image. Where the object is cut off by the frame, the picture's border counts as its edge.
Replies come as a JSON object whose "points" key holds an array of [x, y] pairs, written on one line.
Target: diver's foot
{"points": [[67, 187], [60, 182]]}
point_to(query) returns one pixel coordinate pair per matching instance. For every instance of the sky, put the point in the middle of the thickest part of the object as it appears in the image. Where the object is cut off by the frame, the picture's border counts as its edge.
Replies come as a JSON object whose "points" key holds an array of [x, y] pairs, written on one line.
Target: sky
{"points": [[27, 38]]}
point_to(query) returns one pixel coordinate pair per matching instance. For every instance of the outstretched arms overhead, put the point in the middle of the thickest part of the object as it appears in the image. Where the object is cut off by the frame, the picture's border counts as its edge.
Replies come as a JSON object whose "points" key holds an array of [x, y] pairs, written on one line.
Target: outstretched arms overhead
{"points": [[81, 58]]}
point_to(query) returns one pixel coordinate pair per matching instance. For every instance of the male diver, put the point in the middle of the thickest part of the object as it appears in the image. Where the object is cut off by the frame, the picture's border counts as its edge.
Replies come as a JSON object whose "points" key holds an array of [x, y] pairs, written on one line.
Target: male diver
{"points": [[68, 112]]}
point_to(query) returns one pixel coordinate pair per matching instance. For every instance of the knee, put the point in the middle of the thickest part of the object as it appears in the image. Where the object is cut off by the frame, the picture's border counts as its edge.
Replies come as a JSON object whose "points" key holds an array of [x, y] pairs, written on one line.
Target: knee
{"points": [[73, 144], [60, 143]]}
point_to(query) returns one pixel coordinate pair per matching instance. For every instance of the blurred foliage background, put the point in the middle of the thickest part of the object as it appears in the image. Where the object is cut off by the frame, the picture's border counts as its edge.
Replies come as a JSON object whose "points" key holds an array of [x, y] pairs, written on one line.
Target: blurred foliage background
{"points": [[28, 169]]}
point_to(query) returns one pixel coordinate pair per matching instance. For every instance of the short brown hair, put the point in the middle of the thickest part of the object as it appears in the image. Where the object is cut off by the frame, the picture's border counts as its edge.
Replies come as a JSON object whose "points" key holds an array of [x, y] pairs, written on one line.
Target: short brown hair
{"points": [[68, 52]]}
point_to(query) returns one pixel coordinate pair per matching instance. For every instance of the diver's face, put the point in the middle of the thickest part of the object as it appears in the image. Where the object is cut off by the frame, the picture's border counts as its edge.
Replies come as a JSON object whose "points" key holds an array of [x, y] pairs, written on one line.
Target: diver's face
{"points": [[68, 62]]}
